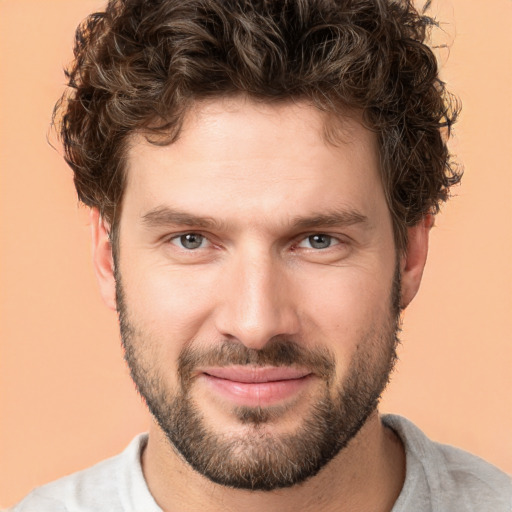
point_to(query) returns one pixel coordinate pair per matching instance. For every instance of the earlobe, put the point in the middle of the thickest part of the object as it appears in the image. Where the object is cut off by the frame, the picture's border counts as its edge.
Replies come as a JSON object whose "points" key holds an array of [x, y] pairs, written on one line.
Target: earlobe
{"points": [[102, 258], [413, 261]]}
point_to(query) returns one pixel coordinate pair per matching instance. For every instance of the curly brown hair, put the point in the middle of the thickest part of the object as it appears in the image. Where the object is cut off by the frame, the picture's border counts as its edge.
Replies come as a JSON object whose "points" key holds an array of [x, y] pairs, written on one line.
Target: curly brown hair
{"points": [[140, 65]]}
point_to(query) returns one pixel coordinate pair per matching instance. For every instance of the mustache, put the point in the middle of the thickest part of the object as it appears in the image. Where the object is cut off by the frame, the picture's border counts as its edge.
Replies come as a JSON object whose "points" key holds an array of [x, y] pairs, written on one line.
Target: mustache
{"points": [[278, 351]]}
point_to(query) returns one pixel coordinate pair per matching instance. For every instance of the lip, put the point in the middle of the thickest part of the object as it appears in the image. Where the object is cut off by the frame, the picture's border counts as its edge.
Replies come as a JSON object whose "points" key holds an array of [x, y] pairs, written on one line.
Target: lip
{"points": [[256, 374], [255, 386]]}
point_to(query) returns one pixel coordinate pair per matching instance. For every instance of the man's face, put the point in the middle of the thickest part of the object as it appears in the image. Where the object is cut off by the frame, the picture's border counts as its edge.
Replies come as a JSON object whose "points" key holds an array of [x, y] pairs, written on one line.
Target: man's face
{"points": [[257, 288]]}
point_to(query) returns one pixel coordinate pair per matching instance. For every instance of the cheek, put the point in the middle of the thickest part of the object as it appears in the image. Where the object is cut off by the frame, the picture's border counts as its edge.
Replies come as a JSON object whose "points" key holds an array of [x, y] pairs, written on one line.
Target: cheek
{"points": [[168, 306], [345, 307]]}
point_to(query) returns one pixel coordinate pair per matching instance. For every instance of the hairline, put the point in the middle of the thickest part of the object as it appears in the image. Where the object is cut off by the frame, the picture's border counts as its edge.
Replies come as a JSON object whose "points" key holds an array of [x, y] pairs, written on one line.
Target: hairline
{"points": [[332, 134]]}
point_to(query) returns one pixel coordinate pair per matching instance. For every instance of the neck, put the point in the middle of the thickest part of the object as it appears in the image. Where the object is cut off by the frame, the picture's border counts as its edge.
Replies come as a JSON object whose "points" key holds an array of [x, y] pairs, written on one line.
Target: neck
{"points": [[367, 475]]}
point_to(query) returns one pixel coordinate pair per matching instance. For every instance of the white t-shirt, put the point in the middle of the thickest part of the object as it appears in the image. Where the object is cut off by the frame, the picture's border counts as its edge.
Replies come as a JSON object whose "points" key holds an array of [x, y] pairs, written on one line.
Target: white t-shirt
{"points": [[439, 478]]}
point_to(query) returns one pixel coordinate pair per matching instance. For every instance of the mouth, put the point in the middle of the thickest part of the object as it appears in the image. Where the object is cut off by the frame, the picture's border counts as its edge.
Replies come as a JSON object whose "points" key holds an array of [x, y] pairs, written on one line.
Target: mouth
{"points": [[256, 386]]}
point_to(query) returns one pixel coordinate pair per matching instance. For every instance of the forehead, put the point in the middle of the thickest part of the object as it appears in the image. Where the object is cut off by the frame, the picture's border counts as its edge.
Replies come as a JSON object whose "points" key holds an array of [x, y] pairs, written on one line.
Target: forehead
{"points": [[239, 157]]}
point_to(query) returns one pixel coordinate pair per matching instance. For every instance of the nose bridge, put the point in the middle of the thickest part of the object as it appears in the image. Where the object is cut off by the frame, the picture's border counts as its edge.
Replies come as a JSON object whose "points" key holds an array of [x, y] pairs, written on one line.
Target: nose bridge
{"points": [[256, 303]]}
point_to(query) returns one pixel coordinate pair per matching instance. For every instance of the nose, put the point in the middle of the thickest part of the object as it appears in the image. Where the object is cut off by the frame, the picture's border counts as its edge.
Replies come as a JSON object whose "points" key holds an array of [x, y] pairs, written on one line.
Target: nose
{"points": [[256, 302]]}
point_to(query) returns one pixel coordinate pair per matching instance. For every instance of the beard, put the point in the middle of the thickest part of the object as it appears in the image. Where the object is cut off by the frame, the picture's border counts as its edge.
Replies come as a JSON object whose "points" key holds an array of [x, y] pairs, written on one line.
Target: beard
{"points": [[257, 459]]}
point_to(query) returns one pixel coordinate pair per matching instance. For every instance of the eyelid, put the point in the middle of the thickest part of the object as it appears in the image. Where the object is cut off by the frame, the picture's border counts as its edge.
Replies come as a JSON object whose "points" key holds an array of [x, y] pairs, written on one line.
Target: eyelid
{"points": [[339, 239], [176, 236]]}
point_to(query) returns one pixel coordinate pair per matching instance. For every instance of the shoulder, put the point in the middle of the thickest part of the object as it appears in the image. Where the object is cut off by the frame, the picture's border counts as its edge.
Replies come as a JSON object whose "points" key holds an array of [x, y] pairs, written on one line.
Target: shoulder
{"points": [[95, 489], [454, 475]]}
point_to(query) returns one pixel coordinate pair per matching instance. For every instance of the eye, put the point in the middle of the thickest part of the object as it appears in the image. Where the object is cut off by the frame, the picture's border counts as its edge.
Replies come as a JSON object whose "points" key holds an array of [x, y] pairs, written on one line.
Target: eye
{"points": [[189, 241], [318, 241]]}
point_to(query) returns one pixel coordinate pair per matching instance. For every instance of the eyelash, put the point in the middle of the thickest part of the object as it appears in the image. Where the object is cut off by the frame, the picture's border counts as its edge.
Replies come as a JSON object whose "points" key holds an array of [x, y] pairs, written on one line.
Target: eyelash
{"points": [[331, 238], [333, 241], [180, 236]]}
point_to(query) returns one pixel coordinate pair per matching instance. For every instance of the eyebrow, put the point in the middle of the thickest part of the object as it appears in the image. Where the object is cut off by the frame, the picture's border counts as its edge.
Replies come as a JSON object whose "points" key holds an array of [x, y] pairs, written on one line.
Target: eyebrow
{"points": [[166, 216], [342, 217]]}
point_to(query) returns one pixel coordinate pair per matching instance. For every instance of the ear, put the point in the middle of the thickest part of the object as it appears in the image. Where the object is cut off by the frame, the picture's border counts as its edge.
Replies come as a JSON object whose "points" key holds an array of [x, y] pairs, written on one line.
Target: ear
{"points": [[102, 258], [414, 259]]}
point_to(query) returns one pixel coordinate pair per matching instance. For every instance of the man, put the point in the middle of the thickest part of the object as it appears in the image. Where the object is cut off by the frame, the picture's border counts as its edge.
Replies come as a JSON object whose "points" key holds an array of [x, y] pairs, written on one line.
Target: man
{"points": [[262, 178]]}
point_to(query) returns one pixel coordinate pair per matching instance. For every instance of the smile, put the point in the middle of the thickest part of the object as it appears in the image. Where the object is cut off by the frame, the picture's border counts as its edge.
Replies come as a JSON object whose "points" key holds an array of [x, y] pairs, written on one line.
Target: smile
{"points": [[254, 386]]}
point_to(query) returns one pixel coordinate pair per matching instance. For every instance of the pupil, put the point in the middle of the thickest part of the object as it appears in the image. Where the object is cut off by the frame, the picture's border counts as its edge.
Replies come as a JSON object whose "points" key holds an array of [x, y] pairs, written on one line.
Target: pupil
{"points": [[191, 241], [320, 241]]}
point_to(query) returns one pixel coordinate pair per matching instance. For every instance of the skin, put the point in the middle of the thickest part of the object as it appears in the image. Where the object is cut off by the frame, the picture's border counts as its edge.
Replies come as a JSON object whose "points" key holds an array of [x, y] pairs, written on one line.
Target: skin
{"points": [[255, 169]]}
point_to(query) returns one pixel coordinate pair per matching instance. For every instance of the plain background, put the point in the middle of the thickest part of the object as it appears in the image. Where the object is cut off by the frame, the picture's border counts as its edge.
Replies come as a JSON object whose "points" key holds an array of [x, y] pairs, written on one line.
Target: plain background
{"points": [[66, 400]]}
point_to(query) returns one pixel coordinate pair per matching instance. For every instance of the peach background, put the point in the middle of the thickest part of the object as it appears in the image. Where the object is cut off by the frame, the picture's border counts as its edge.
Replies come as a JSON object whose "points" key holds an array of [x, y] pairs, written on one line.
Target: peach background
{"points": [[65, 398]]}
